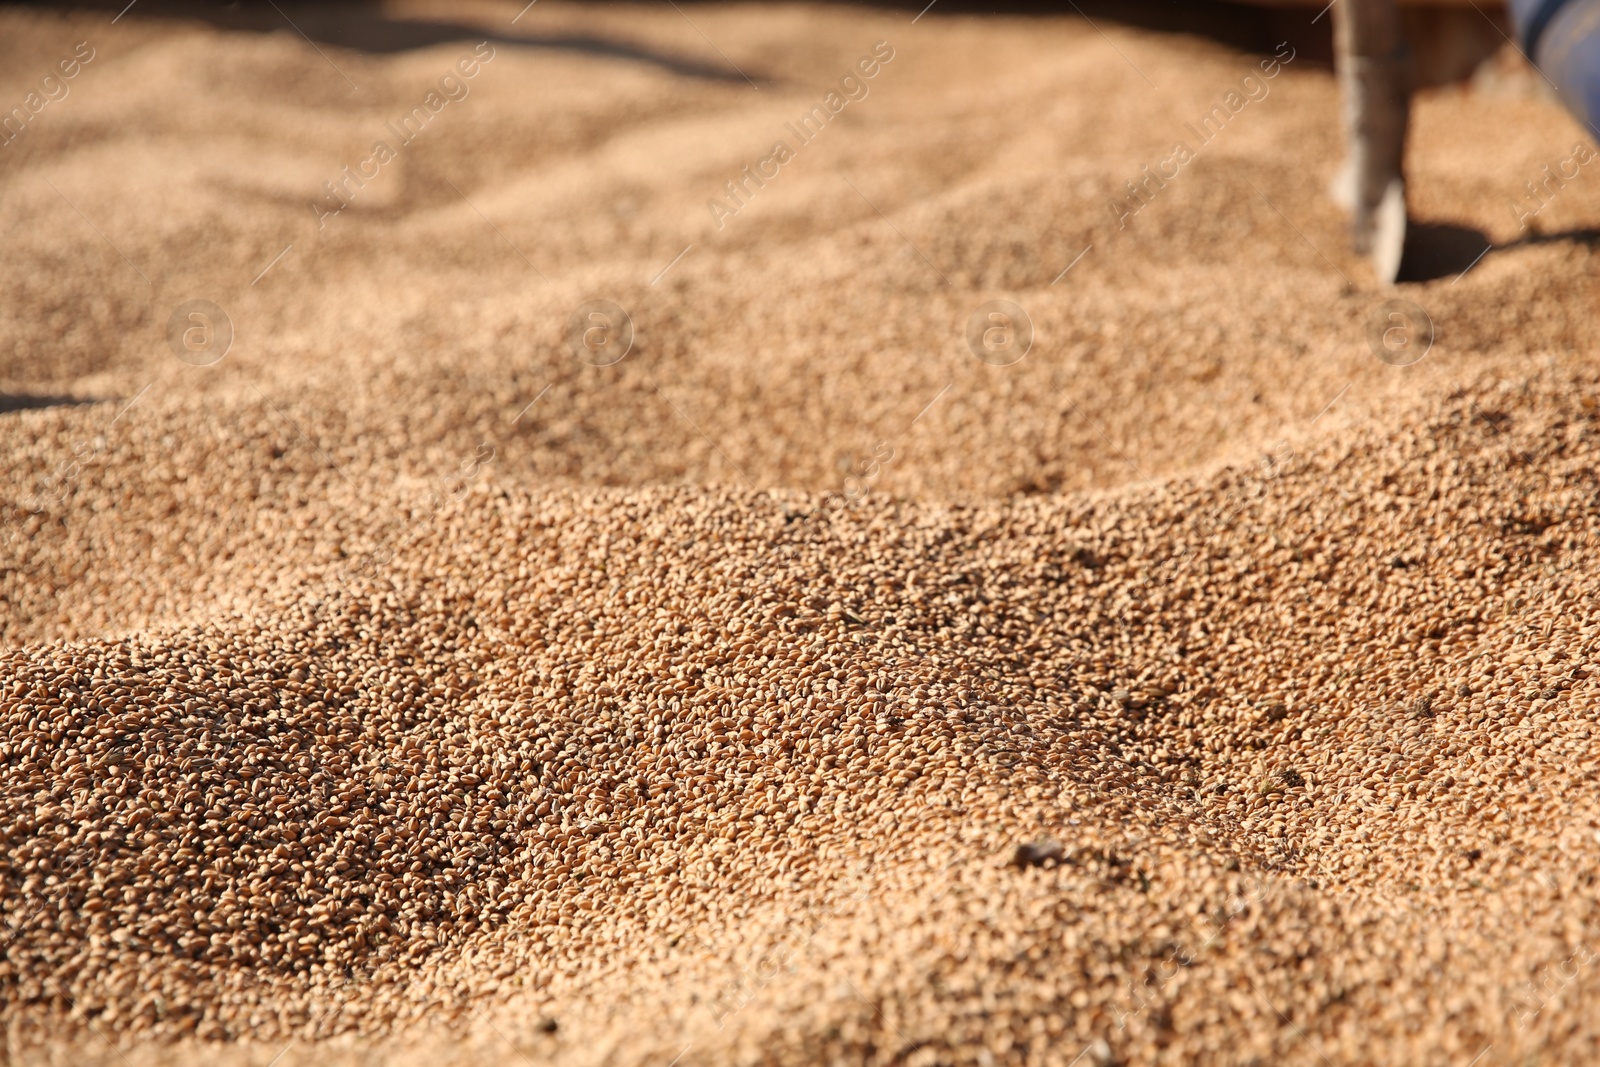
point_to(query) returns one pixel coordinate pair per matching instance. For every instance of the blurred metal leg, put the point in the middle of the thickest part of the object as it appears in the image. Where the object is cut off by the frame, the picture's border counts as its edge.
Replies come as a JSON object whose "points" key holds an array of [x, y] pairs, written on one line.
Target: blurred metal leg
{"points": [[1375, 77]]}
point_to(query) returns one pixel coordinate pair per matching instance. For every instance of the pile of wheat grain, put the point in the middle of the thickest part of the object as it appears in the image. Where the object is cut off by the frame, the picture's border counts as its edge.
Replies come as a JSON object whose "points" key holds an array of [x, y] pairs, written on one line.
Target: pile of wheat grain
{"points": [[404, 687]]}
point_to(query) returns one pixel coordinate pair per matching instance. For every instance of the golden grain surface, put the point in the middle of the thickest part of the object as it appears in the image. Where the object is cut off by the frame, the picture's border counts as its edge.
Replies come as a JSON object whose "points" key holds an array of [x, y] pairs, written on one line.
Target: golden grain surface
{"points": [[403, 689]]}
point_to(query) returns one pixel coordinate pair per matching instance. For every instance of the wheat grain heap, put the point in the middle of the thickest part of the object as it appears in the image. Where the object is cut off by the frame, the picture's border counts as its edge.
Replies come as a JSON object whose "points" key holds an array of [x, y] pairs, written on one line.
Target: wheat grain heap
{"points": [[402, 688]]}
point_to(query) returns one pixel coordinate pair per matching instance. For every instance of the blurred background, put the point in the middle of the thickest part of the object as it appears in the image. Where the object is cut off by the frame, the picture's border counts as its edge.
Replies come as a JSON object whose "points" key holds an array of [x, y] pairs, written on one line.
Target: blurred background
{"points": [[397, 223]]}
